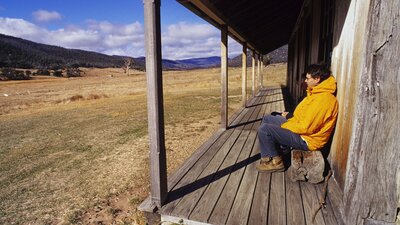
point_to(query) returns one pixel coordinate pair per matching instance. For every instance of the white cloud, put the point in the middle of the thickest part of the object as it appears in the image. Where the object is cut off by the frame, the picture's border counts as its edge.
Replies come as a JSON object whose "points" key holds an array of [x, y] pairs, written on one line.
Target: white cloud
{"points": [[45, 16], [103, 37], [183, 40], [22, 28], [180, 41]]}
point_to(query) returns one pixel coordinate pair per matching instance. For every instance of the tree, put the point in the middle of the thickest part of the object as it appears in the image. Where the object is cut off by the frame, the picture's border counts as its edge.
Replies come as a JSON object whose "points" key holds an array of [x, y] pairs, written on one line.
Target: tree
{"points": [[13, 74], [58, 73], [73, 72], [128, 62]]}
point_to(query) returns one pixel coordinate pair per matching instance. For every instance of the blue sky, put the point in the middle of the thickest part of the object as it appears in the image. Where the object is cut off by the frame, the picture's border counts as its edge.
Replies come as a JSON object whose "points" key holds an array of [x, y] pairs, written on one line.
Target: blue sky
{"points": [[110, 27]]}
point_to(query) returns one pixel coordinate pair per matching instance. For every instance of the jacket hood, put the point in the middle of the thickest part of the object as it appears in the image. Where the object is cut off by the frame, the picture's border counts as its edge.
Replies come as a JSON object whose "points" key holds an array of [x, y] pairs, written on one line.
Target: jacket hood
{"points": [[328, 85]]}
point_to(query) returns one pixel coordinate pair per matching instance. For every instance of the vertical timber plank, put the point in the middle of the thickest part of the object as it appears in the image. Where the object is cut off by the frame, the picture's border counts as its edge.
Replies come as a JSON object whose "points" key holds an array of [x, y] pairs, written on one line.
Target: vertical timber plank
{"points": [[244, 74], [262, 72], [258, 71], [224, 77], [158, 168], [253, 74], [371, 188]]}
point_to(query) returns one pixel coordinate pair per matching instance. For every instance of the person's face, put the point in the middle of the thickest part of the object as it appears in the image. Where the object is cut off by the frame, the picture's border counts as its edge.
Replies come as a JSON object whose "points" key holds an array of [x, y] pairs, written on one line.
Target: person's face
{"points": [[311, 82]]}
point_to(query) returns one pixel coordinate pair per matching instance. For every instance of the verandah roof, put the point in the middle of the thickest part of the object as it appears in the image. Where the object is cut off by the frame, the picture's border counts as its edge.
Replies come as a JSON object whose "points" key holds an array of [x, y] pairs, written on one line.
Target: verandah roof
{"points": [[264, 25]]}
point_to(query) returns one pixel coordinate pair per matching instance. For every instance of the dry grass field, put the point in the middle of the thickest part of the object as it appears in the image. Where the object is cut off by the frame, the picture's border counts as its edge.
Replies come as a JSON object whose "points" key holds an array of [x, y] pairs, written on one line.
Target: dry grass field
{"points": [[75, 151]]}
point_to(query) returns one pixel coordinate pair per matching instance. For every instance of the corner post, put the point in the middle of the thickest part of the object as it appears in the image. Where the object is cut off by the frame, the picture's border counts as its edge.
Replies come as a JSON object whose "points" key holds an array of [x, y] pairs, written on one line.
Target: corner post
{"points": [[224, 76], [262, 71], [253, 74], [259, 71], [158, 166], [244, 74]]}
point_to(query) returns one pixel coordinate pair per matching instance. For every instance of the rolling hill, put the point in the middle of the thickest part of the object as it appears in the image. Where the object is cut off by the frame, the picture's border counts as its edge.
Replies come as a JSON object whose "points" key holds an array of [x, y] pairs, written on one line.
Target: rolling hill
{"points": [[21, 53]]}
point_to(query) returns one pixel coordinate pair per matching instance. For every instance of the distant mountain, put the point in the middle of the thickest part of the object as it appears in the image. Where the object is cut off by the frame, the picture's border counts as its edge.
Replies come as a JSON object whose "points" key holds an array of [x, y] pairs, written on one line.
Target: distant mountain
{"points": [[194, 63], [277, 56], [214, 61], [20, 53]]}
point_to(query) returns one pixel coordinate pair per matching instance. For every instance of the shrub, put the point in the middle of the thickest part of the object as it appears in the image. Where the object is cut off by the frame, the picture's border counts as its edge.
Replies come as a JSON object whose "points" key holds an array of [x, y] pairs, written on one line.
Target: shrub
{"points": [[28, 73], [76, 98], [13, 74], [45, 72], [58, 73], [73, 72]]}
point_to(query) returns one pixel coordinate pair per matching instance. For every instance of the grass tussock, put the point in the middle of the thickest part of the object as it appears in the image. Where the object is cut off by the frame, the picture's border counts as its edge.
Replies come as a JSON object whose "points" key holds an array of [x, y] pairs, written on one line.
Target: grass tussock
{"points": [[76, 98], [87, 162]]}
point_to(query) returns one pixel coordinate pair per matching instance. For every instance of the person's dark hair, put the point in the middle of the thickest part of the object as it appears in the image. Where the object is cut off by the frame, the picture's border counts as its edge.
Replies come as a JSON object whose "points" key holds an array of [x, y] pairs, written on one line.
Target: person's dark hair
{"points": [[318, 70]]}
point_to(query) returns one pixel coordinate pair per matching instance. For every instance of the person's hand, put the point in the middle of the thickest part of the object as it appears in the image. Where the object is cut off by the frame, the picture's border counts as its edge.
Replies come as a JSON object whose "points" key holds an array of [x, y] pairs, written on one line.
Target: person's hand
{"points": [[284, 114], [276, 113]]}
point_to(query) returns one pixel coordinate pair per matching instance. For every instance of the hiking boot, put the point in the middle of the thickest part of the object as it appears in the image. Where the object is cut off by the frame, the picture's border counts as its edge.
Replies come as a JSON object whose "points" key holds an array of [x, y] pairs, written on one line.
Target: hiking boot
{"points": [[271, 164]]}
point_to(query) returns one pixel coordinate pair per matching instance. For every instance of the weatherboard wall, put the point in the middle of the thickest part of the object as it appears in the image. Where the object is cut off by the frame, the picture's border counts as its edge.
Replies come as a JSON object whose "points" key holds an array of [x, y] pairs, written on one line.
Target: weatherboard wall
{"points": [[360, 40]]}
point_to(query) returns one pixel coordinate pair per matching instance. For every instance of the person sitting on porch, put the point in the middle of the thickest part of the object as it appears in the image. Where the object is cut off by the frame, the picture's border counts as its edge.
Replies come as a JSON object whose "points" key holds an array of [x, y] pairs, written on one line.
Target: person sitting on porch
{"points": [[308, 128]]}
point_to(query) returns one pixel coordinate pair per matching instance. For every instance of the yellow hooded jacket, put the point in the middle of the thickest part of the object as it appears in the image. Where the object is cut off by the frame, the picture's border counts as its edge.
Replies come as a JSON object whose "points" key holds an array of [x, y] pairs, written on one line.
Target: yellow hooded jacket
{"points": [[315, 117]]}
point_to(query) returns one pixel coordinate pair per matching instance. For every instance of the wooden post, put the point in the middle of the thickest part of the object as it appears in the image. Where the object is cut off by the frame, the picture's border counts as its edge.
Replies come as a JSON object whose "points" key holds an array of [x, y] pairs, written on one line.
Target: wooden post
{"points": [[253, 74], [258, 71], [158, 168], [244, 74], [262, 71], [224, 76]]}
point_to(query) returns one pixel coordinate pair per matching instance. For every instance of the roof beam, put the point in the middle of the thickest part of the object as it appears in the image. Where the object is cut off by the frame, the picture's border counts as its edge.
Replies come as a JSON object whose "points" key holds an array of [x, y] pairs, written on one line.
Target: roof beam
{"points": [[207, 9]]}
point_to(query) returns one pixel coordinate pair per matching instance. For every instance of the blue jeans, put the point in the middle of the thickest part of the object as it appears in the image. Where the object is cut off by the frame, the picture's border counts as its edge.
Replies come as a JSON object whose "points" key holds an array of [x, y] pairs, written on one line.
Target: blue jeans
{"points": [[270, 134]]}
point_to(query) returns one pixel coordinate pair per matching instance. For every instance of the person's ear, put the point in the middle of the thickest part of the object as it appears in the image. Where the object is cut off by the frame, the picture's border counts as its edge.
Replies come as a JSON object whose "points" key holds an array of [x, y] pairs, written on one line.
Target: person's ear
{"points": [[318, 79]]}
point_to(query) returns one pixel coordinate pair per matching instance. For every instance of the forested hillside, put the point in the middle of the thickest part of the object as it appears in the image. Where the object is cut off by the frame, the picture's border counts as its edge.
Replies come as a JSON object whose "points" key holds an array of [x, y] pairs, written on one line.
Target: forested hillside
{"points": [[20, 53]]}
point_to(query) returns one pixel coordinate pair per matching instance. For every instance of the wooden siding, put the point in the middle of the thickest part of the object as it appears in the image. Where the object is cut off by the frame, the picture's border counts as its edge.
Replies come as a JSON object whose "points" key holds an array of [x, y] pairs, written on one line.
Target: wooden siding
{"points": [[370, 195], [346, 66], [365, 62]]}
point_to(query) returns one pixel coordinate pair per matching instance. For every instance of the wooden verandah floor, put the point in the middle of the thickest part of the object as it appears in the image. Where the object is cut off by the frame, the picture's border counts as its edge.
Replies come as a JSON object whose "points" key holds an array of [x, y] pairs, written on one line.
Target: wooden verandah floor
{"points": [[219, 183]]}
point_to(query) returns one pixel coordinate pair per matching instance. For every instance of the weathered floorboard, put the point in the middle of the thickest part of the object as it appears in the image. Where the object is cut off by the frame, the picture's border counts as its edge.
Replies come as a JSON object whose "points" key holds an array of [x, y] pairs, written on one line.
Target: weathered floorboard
{"points": [[310, 202], [259, 209], [186, 184], [183, 187], [277, 201], [260, 206], [242, 204], [240, 211], [295, 211], [222, 186], [329, 217], [225, 201], [206, 204], [188, 202]]}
